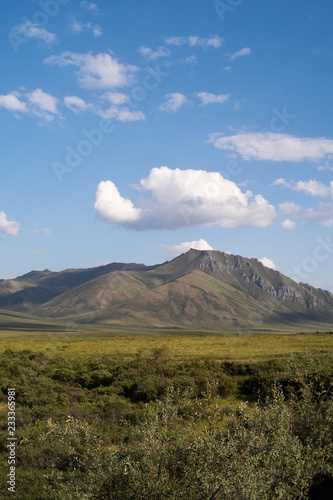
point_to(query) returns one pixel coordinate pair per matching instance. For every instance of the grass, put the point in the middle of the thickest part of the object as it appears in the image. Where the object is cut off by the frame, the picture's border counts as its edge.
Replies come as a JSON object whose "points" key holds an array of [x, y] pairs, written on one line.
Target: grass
{"points": [[249, 348]]}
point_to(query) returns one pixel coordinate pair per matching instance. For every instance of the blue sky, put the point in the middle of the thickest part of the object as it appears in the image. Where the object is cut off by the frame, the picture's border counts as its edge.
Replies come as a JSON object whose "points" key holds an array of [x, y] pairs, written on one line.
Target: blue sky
{"points": [[132, 131]]}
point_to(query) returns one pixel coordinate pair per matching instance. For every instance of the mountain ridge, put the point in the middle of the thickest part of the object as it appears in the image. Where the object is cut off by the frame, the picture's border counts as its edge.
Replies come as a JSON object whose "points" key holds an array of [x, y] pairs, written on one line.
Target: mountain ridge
{"points": [[197, 289]]}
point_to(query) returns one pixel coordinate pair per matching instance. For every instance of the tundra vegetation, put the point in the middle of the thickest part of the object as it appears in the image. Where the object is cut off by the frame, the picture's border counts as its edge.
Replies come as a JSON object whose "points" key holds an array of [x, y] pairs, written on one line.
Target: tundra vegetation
{"points": [[151, 425]]}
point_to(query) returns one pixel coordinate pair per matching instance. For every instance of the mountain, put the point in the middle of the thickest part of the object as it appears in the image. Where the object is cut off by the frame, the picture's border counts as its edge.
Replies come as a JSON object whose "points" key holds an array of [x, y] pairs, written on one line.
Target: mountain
{"points": [[197, 290]]}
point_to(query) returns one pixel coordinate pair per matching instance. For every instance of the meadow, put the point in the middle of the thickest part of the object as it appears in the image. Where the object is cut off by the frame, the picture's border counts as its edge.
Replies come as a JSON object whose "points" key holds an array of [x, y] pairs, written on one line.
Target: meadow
{"points": [[179, 345]]}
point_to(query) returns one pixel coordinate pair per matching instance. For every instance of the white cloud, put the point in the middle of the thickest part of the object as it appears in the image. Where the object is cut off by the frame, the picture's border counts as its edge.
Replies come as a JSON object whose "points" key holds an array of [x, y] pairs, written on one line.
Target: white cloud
{"points": [[76, 104], [122, 115], [116, 98], [227, 68], [97, 31], [267, 263], [41, 231], [38, 103], [243, 52], [323, 214], [8, 227], [31, 30], [184, 247], [44, 101], [288, 224], [12, 103], [153, 54], [274, 147], [327, 166], [113, 207], [77, 27], [192, 59], [174, 102], [290, 208], [89, 6], [312, 187], [96, 72], [179, 198], [214, 41], [207, 98]]}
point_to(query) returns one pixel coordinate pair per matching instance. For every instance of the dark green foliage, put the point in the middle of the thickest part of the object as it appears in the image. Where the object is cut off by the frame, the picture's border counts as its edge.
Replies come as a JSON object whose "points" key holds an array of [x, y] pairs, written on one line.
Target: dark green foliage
{"points": [[149, 427]]}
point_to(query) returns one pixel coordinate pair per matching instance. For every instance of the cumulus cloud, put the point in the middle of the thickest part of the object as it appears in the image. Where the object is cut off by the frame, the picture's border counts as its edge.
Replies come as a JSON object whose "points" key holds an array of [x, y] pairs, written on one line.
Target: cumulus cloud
{"points": [[153, 54], [288, 224], [96, 72], [116, 98], [312, 187], [207, 98], [267, 263], [212, 41], [323, 214], [44, 101], [8, 227], [113, 207], [184, 247], [246, 51], [290, 208], [178, 198], [274, 147], [174, 102], [35, 103], [12, 103], [31, 30]]}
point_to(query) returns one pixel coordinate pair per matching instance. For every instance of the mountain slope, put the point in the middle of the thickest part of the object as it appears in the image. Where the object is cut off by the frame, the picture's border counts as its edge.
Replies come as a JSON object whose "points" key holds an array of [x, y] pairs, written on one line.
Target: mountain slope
{"points": [[26, 293], [198, 289]]}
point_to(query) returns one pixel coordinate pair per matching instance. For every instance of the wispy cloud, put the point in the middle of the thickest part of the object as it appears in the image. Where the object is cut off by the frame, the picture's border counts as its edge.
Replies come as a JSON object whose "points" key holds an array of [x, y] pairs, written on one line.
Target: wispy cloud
{"points": [[312, 187], [33, 31], [89, 6], [212, 41], [153, 54], [208, 98], [96, 72], [179, 198], [273, 146], [41, 231], [174, 102], [246, 51], [122, 114], [76, 104], [78, 27]]}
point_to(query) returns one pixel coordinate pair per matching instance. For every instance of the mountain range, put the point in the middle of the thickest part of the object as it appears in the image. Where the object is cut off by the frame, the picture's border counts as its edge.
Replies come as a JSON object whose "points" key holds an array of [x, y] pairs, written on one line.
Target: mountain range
{"points": [[204, 290]]}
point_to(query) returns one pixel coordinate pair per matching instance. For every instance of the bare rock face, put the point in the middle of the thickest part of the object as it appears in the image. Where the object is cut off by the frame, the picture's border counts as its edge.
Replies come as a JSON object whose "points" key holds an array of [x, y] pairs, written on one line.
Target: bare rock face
{"points": [[286, 292]]}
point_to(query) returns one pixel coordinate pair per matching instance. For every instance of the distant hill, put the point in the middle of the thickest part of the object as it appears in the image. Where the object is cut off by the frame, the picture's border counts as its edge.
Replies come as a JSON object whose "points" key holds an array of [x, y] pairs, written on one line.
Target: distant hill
{"points": [[198, 289]]}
